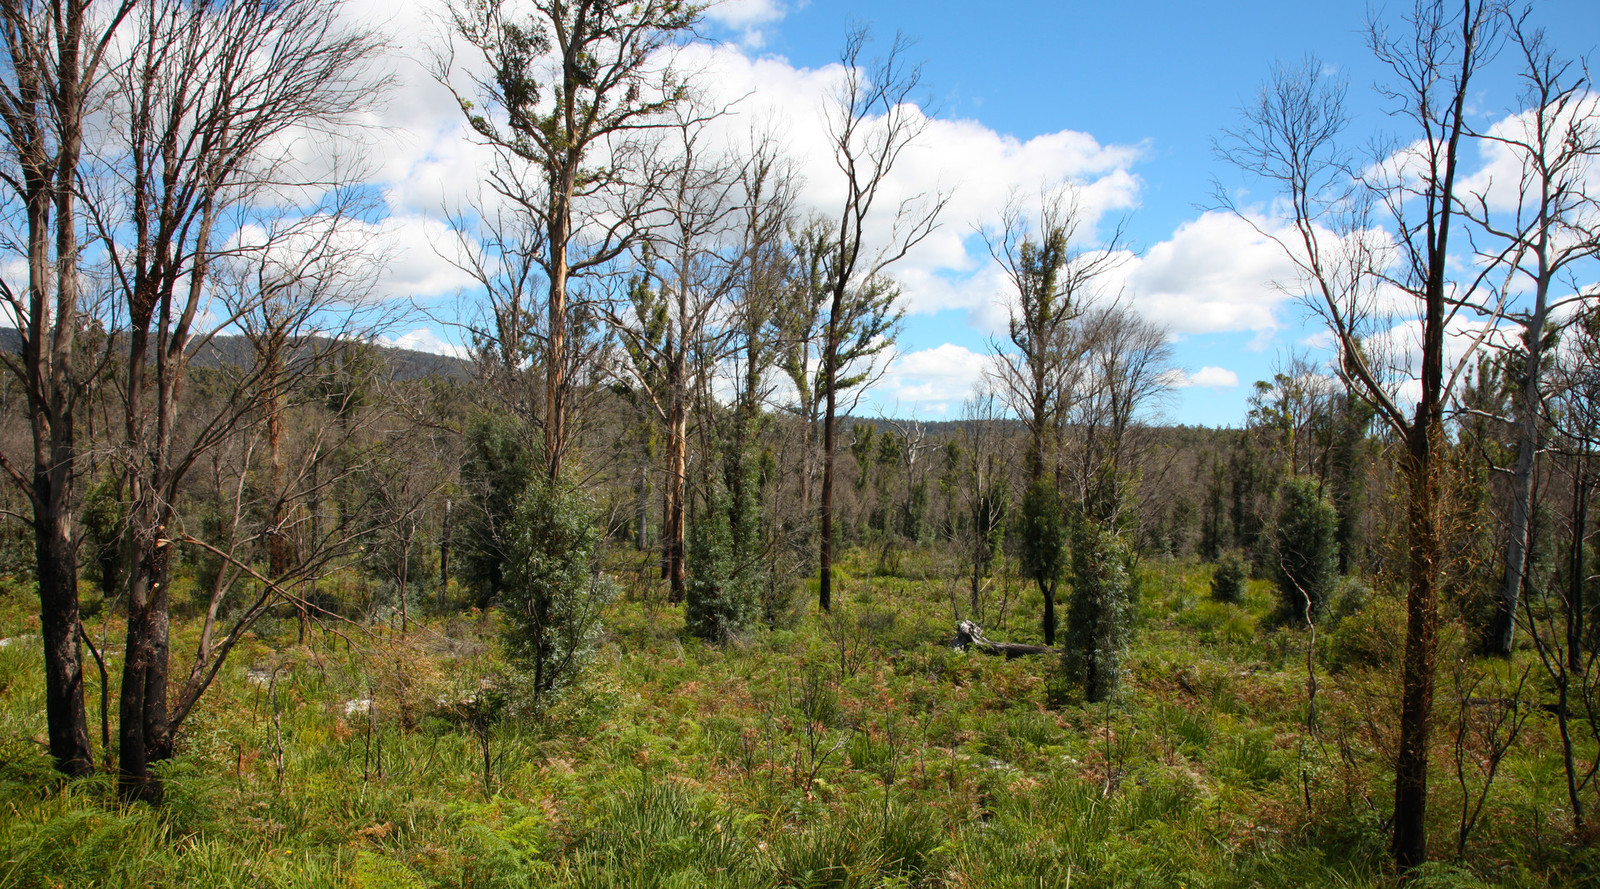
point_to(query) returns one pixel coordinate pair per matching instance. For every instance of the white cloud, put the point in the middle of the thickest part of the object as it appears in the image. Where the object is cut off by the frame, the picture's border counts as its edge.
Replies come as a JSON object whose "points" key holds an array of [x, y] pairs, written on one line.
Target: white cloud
{"points": [[404, 256], [1210, 378], [1505, 177], [978, 168], [425, 340], [1216, 273], [930, 383], [419, 251], [749, 18]]}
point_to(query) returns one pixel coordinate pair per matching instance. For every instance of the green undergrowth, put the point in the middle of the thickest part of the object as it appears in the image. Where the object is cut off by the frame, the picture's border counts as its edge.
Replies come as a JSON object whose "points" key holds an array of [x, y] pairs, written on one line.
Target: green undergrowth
{"points": [[854, 749]]}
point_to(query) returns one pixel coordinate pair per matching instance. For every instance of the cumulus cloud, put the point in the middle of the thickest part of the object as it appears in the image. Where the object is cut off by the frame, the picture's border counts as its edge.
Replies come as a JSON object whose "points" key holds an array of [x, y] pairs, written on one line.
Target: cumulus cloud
{"points": [[749, 19], [930, 383], [1503, 179], [403, 256], [1209, 378], [424, 339], [1216, 273], [976, 168]]}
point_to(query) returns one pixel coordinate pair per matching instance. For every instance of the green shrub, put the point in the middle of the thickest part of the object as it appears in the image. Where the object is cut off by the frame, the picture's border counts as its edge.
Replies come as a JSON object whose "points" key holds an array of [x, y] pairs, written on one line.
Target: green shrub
{"points": [[496, 470], [1372, 638], [723, 595], [1228, 578], [1307, 548], [1099, 613], [553, 596]]}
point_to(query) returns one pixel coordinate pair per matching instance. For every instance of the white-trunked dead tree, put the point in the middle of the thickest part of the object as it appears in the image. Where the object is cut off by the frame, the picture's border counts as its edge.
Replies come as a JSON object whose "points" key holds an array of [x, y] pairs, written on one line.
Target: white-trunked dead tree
{"points": [[208, 217], [1544, 221], [675, 325]]}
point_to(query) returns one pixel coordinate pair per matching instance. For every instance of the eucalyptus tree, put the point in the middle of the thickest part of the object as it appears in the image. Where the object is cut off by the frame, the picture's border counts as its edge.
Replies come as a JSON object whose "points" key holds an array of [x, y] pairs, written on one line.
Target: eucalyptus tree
{"points": [[1041, 374], [1292, 138], [677, 324], [572, 97], [1053, 278], [1128, 375], [54, 60], [1546, 225], [870, 122], [205, 223]]}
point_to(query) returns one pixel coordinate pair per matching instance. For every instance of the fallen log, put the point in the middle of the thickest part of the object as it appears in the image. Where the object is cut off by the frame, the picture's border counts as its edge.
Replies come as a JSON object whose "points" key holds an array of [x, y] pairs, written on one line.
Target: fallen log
{"points": [[970, 635]]}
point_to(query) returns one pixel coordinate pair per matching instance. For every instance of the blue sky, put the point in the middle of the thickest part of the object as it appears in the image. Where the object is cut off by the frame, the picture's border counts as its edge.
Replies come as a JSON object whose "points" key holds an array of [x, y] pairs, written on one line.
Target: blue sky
{"points": [[1126, 98]]}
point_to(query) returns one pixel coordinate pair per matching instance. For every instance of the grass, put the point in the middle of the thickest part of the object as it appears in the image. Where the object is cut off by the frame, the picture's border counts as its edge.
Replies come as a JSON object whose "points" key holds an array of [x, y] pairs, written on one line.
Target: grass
{"points": [[854, 749]]}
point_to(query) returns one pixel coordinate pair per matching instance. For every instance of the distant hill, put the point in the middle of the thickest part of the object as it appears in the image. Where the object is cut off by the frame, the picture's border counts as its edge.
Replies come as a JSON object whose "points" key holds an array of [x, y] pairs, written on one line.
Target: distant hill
{"points": [[236, 351]]}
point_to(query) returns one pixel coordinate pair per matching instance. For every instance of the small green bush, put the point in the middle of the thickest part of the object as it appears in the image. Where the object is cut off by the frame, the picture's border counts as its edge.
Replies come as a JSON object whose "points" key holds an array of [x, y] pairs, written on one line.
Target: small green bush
{"points": [[724, 590], [1228, 578], [1307, 549], [1099, 613], [553, 596]]}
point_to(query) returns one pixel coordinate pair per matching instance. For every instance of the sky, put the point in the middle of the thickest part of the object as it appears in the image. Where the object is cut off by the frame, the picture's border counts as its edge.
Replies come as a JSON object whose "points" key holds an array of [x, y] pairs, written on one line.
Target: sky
{"points": [[1124, 99]]}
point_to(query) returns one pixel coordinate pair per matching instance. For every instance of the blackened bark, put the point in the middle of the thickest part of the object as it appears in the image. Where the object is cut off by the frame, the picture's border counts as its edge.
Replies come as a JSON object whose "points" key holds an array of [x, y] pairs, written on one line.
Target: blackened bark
{"points": [[1049, 622], [144, 732], [1416, 703], [59, 627], [825, 582]]}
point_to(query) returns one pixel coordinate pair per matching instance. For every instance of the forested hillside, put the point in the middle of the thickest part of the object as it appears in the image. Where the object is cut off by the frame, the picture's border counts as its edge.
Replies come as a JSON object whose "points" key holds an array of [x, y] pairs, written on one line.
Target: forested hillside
{"points": [[642, 591]]}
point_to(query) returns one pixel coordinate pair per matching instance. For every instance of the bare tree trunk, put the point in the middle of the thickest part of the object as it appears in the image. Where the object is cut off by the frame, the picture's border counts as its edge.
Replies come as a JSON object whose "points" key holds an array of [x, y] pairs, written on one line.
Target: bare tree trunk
{"points": [[1526, 406], [677, 489], [59, 626], [143, 732], [1577, 571], [43, 92], [444, 555], [1048, 622], [555, 380], [1422, 620], [408, 529], [830, 372]]}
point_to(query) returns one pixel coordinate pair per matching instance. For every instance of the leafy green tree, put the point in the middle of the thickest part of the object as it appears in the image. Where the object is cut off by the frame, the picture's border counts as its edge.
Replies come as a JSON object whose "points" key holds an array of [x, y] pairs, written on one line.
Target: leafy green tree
{"points": [[1349, 454], [1043, 533], [495, 472], [723, 593], [1100, 612], [571, 87], [553, 596], [1307, 547]]}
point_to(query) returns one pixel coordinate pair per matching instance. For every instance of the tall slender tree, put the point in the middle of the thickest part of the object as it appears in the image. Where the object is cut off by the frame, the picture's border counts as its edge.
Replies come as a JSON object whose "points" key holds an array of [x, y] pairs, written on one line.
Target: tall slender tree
{"points": [[1291, 138], [1040, 374], [870, 122], [574, 91], [676, 328], [202, 101], [54, 59], [1544, 223]]}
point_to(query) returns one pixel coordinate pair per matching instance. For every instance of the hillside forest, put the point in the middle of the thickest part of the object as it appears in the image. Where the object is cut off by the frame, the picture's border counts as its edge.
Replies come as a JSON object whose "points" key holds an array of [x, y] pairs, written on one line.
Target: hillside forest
{"points": [[636, 592]]}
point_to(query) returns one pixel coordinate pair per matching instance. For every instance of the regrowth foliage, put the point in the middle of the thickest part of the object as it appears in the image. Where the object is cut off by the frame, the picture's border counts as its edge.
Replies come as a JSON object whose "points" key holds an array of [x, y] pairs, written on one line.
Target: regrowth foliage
{"points": [[553, 596]]}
